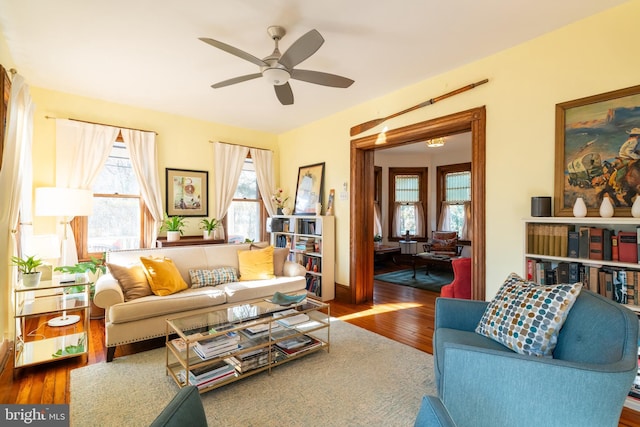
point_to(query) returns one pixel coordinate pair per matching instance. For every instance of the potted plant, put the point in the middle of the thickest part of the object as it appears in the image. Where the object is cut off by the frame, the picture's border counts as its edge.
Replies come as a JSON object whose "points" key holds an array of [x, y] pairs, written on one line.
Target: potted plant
{"points": [[27, 266], [279, 199], [377, 239], [207, 226], [87, 271], [173, 225]]}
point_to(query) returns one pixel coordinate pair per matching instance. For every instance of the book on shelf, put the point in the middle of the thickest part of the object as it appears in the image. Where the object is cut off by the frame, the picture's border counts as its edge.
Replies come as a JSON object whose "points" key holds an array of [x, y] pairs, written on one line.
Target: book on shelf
{"points": [[574, 244], [628, 246], [180, 344], [583, 243], [293, 317], [294, 342], [290, 351], [596, 246]]}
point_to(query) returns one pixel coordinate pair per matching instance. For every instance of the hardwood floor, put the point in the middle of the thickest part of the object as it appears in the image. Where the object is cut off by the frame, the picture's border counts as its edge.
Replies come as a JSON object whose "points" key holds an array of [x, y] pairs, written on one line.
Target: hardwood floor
{"points": [[398, 312]]}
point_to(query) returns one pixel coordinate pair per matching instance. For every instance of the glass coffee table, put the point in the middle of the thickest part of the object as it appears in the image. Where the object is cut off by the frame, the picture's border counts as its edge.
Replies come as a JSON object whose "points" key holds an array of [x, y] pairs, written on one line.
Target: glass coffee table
{"points": [[223, 344]]}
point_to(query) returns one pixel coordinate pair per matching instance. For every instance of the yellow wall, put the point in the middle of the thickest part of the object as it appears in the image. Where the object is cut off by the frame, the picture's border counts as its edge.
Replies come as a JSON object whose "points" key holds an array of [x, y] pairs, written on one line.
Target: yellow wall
{"points": [[525, 83], [183, 143]]}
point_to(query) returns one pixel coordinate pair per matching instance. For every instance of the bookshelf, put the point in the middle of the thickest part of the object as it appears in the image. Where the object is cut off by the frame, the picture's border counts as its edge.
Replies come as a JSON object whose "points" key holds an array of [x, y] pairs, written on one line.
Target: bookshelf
{"points": [[311, 243], [545, 242]]}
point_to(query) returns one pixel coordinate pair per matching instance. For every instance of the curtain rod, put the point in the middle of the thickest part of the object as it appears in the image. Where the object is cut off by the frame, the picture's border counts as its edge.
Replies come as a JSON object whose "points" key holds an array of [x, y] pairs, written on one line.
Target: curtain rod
{"points": [[241, 145], [103, 124]]}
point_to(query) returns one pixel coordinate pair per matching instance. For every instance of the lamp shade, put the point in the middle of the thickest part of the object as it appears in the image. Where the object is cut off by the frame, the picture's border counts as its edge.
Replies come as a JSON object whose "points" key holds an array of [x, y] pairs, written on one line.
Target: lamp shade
{"points": [[59, 201]]}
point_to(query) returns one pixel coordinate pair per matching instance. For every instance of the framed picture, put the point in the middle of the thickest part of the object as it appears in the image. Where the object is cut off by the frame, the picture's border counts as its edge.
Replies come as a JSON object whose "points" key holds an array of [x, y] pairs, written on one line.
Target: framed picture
{"points": [[309, 189], [187, 192], [596, 150]]}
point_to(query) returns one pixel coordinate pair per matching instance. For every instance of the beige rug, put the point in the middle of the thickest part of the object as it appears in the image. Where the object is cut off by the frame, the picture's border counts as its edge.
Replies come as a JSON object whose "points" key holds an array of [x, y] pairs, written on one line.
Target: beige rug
{"points": [[365, 380]]}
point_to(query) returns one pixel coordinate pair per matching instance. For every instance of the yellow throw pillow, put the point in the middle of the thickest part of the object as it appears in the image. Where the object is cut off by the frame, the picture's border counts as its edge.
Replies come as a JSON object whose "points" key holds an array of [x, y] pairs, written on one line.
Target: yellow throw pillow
{"points": [[163, 276], [256, 264]]}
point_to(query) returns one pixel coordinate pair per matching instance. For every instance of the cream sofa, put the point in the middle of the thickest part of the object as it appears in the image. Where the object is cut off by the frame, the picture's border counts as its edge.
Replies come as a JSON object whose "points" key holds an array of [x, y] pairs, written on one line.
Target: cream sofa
{"points": [[144, 318]]}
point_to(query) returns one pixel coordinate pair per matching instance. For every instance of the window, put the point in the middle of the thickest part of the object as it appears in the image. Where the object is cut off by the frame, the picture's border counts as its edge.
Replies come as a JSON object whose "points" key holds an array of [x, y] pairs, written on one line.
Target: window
{"points": [[454, 195], [407, 202], [244, 218], [117, 219]]}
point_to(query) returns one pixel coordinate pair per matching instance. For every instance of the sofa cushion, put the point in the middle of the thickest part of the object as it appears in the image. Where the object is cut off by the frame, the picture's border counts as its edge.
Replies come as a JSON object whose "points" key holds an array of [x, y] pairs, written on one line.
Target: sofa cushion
{"points": [[163, 276], [527, 317], [256, 264], [157, 306], [131, 279], [214, 277], [444, 242]]}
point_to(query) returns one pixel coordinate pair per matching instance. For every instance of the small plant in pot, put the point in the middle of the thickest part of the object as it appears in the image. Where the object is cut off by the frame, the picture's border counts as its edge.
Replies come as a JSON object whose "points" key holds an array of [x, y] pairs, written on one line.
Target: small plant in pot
{"points": [[173, 225], [27, 267], [208, 226], [87, 271]]}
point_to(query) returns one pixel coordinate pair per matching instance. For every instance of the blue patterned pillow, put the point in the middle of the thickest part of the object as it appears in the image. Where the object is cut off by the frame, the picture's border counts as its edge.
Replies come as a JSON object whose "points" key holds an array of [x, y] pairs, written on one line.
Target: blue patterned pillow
{"points": [[527, 317], [217, 276]]}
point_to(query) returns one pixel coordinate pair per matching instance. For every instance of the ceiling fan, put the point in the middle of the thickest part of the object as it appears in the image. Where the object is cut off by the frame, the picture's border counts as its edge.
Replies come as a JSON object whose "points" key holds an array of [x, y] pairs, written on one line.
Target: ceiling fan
{"points": [[278, 68]]}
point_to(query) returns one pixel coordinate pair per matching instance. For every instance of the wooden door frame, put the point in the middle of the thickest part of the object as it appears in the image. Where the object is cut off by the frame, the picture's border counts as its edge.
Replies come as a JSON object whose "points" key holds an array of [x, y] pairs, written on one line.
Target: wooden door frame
{"points": [[362, 187]]}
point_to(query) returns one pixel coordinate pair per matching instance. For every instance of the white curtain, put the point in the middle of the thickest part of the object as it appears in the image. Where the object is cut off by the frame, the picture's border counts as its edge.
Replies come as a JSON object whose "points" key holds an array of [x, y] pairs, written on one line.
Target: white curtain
{"points": [[445, 220], [16, 165], [419, 216], [377, 219], [228, 161], [82, 150], [144, 158], [263, 161], [445, 217]]}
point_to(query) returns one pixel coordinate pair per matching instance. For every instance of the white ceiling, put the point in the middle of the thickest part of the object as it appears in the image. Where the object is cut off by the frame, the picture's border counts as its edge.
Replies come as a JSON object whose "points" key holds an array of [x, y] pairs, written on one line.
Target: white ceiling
{"points": [[146, 53]]}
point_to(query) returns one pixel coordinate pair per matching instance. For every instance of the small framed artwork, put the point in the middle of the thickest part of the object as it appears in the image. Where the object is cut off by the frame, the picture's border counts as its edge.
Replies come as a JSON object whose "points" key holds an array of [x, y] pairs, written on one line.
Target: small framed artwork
{"points": [[187, 192], [597, 147], [309, 189]]}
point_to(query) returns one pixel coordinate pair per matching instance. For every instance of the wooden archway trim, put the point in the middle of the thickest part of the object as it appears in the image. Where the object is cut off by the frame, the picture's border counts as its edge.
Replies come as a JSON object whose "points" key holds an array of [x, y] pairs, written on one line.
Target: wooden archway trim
{"points": [[362, 189]]}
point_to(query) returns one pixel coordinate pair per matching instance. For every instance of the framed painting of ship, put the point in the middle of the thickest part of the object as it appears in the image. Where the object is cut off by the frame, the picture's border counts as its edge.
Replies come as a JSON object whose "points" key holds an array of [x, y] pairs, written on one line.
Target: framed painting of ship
{"points": [[596, 152]]}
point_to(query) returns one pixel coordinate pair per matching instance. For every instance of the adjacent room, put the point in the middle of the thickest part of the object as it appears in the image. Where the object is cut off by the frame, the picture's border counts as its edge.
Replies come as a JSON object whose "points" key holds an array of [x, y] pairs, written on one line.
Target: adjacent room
{"points": [[319, 213]]}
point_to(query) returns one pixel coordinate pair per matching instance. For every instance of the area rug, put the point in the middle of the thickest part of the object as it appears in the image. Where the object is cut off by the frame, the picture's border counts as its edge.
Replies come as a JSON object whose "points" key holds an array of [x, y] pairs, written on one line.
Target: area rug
{"points": [[433, 281], [365, 379]]}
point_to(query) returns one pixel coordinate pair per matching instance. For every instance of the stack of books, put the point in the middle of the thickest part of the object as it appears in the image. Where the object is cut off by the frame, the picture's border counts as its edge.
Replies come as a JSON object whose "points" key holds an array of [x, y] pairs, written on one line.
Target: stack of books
{"points": [[294, 317], [217, 346], [208, 375], [305, 244], [297, 344], [252, 360]]}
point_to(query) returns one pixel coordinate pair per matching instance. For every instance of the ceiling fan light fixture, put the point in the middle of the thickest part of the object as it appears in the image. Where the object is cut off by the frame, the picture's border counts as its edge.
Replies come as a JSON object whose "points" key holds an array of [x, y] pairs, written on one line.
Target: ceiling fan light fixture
{"points": [[435, 142], [276, 76]]}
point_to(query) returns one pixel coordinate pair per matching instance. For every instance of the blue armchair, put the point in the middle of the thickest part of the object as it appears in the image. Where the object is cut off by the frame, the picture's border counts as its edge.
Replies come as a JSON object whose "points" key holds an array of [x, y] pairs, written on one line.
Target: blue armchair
{"points": [[482, 383]]}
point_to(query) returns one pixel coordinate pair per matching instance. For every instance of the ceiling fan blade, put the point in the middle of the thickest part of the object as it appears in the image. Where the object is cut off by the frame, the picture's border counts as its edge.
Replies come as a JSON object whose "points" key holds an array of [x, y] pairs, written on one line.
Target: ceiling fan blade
{"points": [[320, 78], [236, 80], [284, 93], [235, 51], [301, 49]]}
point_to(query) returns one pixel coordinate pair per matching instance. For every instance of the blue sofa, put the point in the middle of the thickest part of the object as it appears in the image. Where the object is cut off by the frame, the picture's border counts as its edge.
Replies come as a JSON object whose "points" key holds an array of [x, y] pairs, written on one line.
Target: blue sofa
{"points": [[483, 383]]}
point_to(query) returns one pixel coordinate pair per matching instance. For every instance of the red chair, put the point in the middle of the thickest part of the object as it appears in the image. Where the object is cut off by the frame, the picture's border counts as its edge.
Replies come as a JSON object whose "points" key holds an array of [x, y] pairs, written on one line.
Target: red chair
{"points": [[461, 285]]}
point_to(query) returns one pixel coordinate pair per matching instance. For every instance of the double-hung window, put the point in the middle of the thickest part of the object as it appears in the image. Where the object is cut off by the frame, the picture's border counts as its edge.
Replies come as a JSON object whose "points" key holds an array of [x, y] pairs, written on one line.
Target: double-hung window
{"points": [[246, 213], [454, 194], [407, 202], [117, 219]]}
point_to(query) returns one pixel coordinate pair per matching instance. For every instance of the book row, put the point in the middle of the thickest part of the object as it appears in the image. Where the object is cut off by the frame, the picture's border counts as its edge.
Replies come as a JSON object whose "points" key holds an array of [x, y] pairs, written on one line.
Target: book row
{"points": [[618, 284], [597, 243], [314, 285]]}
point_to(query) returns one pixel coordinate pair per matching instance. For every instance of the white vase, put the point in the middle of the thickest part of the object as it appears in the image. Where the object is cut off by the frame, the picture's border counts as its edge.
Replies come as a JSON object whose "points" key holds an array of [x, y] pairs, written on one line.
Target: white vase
{"points": [[606, 208], [207, 235], [173, 236], [635, 208], [31, 280], [579, 208]]}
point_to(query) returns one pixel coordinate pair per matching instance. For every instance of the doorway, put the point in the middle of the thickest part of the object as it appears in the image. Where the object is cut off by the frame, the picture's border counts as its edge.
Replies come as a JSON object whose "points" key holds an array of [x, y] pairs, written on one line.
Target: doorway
{"points": [[362, 195]]}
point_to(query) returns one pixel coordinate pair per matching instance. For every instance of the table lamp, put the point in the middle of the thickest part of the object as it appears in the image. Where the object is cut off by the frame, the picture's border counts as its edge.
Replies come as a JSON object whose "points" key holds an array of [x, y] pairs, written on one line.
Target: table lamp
{"points": [[66, 203]]}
